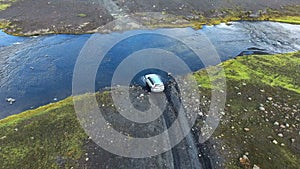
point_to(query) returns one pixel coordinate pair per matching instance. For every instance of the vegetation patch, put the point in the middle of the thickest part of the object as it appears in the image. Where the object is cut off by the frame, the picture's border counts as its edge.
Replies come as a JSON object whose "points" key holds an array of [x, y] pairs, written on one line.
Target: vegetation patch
{"points": [[289, 14], [82, 15], [4, 6], [261, 124]]}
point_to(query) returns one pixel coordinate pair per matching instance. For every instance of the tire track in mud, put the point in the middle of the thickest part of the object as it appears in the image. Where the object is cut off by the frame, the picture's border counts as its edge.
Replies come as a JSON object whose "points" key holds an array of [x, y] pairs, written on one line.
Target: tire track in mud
{"points": [[185, 154]]}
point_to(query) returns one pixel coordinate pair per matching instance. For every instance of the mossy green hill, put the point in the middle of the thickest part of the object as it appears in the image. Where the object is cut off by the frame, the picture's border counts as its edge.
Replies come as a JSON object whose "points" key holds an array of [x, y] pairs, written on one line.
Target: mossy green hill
{"points": [[261, 120]]}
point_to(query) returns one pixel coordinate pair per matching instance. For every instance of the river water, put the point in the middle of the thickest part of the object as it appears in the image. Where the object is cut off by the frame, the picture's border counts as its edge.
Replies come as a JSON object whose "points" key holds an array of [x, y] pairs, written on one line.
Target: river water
{"points": [[38, 70]]}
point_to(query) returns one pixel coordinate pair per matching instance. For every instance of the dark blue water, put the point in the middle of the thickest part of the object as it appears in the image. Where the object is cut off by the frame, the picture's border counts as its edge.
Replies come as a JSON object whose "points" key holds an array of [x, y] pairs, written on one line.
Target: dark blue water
{"points": [[38, 70]]}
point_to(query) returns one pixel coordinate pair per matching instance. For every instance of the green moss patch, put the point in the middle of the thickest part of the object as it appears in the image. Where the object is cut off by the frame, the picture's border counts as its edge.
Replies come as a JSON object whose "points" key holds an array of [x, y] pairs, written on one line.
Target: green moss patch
{"points": [[4, 6], [261, 119], [288, 14]]}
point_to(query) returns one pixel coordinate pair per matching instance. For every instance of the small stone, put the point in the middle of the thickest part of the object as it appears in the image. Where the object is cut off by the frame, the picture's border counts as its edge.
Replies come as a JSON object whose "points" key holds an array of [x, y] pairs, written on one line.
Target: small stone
{"points": [[245, 157], [244, 84], [282, 144], [247, 153], [10, 100], [280, 135], [270, 98], [246, 129], [287, 125], [262, 108], [282, 126], [55, 99], [31, 138], [275, 141], [256, 167], [142, 95], [3, 137], [293, 140], [276, 123], [87, 159], [16, 129]]}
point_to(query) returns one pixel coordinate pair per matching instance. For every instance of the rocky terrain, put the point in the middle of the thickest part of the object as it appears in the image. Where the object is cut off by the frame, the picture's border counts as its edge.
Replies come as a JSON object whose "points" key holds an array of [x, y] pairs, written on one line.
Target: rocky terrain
{"points": [[259, 126], [34, 17]]}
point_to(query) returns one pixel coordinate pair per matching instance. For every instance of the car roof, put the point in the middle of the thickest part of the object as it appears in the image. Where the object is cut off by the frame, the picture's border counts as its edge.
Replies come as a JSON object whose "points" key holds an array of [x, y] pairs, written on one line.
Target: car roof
{"points": [[156, 79]]}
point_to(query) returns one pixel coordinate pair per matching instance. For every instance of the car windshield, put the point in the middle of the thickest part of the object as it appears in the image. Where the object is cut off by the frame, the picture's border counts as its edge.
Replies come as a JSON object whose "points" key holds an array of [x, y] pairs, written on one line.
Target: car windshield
{"points": [[156, 80]]}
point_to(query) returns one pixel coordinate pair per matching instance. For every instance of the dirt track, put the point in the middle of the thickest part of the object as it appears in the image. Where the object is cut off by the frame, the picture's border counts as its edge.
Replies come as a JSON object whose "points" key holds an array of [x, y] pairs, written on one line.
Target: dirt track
{"points": [[31, 17]]}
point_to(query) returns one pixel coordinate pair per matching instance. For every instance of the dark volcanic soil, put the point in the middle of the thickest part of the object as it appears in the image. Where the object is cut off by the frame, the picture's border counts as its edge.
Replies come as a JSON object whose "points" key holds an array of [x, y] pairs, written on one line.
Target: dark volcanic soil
{"points": [[31, 17], [63, 16]]}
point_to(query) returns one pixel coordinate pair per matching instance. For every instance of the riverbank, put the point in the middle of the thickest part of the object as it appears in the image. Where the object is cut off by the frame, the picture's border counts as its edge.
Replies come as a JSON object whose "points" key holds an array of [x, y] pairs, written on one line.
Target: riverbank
{"points": [[27, 18], [260, 124]]}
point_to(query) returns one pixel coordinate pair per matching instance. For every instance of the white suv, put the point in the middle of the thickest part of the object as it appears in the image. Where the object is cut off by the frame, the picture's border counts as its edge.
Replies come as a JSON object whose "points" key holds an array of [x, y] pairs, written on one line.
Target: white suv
{"points": [[155, 83]]}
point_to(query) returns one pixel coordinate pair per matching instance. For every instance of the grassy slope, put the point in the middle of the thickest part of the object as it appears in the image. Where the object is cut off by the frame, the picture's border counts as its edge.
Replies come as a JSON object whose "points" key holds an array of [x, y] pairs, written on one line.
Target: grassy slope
{"points": [[50, 136], [288, 14], [250, 81]]}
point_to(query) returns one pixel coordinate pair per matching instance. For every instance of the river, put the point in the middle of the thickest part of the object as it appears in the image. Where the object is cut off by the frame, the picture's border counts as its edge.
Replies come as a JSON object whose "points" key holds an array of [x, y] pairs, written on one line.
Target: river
{"points": [[38, 70]]}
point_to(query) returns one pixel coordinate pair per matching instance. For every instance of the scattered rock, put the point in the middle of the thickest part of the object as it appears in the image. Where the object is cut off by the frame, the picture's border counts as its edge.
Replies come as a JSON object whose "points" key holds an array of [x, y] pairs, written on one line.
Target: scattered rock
{"points": [[280, 135], [262, 108], [270, 98], [4, 137], [275, 142], [256, 167], [282, 126], [245, 157], [246, 129], [245, 161], [276, 123], [10, 100], [293, 140]]}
